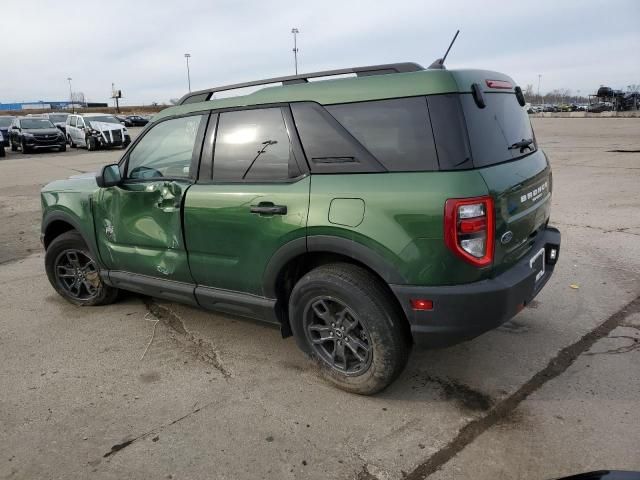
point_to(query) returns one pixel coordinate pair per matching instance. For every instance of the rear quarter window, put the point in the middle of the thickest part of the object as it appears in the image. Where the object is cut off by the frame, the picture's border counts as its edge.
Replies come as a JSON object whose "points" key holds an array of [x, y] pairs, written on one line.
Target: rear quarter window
{"points": [[396, 132]]}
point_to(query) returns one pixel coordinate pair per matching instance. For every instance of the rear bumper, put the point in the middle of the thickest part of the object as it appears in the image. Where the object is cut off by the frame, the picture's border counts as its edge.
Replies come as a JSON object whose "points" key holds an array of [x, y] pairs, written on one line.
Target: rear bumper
{"points": [[462, 312]]}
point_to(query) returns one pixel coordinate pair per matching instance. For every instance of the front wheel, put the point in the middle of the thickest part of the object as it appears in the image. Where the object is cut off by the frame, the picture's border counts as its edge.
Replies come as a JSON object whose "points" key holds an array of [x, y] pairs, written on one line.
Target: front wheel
{"points": [[73, 272], [91, 143], [23, 147], [14, 147], [2, 152], [345, 320]]}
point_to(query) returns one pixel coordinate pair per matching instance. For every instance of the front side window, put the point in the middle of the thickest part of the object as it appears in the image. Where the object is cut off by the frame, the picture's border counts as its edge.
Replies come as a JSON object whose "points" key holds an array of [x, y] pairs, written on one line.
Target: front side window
{"points": [[253, 145], [166, 150]]}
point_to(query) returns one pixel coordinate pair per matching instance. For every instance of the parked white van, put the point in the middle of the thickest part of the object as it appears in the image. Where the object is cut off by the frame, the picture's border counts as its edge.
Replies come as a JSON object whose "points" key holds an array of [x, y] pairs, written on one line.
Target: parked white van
{"points": [[96, 130]]}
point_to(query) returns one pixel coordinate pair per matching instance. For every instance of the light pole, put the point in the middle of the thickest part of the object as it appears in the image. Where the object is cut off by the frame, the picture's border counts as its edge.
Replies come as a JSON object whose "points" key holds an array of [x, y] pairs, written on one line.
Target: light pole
{"points": [[539, 97], [188, 56], [295, 32], [73, 110]]}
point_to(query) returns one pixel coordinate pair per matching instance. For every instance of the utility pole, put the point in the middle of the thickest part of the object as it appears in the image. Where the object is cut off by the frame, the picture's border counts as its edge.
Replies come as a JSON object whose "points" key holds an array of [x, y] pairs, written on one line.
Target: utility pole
{"points": [[73, 110], [539, 97], [295, 32], [188, 56]]}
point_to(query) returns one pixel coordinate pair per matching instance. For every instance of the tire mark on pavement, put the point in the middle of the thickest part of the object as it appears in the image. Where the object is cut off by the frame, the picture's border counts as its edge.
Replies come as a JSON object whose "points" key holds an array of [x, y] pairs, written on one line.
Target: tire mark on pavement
{"points": [[203, 348], [556, 366]]}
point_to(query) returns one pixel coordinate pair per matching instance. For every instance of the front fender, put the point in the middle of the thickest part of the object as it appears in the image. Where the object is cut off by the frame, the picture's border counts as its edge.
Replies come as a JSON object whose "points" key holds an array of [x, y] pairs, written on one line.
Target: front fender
{"points": [[79, 216]]}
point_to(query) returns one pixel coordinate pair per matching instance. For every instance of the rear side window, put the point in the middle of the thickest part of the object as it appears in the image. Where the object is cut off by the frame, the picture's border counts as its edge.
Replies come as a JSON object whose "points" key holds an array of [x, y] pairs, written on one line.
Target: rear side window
{"points": [[396, 132], [253, 145], [495, 128], [72, 122]]}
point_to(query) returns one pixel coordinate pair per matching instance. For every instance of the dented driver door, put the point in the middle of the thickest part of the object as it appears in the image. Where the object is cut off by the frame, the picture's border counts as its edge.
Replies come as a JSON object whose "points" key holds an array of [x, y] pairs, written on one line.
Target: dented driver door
{"points": [[138, 223]]}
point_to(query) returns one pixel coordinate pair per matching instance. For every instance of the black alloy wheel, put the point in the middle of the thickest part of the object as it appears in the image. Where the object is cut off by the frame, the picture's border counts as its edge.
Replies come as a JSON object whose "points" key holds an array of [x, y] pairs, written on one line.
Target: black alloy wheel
{"points": [[77, 275], [337, 335]]}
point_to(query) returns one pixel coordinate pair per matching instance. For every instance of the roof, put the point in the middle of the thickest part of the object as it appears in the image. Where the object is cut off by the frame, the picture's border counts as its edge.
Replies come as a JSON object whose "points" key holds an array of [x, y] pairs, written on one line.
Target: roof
{"points": [[345, 90]]}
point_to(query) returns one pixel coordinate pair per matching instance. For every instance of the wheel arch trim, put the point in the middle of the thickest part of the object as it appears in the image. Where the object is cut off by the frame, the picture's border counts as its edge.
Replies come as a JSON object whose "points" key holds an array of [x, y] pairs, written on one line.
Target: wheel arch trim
{"points": [[58, 216], [327, 244]]}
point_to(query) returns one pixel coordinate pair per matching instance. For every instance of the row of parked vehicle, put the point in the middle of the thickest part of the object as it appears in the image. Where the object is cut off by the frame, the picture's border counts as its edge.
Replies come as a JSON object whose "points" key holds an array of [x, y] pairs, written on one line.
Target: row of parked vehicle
{"points": [[54, 131]]}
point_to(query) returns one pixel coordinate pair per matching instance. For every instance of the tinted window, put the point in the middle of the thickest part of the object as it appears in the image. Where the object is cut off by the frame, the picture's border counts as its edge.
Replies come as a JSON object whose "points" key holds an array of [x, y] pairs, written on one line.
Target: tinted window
{"points": [[5, 122], [329, 147], [166, 150], [253, 145], [449, 131], [493, 129], [396, 132]]}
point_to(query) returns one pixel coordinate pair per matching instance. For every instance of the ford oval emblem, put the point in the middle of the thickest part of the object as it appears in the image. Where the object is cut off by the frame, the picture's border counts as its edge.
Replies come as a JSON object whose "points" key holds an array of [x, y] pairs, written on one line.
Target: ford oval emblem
{"points": [[506, 237]]}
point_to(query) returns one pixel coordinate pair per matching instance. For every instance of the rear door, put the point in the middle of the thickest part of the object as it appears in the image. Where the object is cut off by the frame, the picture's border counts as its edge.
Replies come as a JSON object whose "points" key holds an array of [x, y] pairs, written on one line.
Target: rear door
{"points": [[518, 175], [252, 199]]}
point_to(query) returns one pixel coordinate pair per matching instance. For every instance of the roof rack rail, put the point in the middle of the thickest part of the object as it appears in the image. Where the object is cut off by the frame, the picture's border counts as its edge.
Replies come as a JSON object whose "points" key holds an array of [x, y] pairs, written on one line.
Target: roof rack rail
{"points": [[206, 94]]}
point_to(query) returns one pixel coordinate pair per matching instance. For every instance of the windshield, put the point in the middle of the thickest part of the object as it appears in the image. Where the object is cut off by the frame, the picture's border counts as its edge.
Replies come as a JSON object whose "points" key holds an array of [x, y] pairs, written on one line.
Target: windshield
{"points": [[501, 131], [58, 118], [5, 121], [104, 118], [36, 123]]}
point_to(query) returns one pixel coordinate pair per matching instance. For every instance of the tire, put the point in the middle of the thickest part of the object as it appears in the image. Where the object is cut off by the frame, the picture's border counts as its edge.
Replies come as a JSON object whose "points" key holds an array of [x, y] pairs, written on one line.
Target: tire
{"points": [[60, 268], [70, 140], [14, 147], [316, 313], [62, 148], [2, 152], [23, 147]]}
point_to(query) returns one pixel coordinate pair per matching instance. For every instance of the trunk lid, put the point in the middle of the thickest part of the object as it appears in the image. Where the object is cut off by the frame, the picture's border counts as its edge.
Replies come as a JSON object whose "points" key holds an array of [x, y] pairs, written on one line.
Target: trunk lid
{"points": [[521, 190], [506, 154]]}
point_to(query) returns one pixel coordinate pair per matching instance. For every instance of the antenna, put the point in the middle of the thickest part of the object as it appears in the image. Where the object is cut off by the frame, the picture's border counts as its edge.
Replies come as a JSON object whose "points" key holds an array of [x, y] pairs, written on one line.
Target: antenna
{"points": [[439, 63]]}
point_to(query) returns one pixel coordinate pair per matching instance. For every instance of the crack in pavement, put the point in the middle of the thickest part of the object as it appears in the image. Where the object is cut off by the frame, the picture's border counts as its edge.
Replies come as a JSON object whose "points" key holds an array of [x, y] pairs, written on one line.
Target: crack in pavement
{"points": [[129, 441], [204, 349], [555, 367]]}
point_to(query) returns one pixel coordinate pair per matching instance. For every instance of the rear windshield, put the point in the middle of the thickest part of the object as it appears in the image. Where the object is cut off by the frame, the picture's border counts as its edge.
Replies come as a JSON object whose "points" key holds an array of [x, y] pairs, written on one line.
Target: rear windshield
{"points": [[6, 121], [497, 127]]}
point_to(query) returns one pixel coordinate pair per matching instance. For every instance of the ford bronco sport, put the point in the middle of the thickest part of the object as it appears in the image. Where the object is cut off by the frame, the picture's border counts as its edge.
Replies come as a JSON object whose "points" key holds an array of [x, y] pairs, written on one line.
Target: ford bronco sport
{"points": [[361, 215]]}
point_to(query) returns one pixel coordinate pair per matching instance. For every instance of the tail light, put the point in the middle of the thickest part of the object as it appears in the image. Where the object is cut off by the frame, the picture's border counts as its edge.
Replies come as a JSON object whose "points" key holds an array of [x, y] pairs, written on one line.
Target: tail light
{"points": [[469, 226]]}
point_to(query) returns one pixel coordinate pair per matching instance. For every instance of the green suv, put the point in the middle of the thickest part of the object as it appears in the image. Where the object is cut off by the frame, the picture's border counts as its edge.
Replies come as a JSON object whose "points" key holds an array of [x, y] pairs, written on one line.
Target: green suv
{"points": [[361, 215]]}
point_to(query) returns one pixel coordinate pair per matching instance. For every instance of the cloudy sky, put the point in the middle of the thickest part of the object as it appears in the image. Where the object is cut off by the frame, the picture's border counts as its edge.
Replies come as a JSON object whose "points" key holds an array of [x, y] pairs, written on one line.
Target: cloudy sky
{"points": [[140, 44]]}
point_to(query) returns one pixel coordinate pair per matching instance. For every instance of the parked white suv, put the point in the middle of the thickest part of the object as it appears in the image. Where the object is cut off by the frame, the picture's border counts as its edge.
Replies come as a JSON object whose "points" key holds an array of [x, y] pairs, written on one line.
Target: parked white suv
{"points": [[96, 130]]}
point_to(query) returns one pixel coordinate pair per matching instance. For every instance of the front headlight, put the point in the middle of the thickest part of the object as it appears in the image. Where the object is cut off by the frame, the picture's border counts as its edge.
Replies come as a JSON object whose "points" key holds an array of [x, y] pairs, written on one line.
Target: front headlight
{"points": [[27, 135], [94, 132]]}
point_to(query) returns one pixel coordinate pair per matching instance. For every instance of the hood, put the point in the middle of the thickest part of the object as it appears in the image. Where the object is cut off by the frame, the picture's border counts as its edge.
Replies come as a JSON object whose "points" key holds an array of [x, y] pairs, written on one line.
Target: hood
{"points": [[105, 126], [41, 131], [84, 182]]}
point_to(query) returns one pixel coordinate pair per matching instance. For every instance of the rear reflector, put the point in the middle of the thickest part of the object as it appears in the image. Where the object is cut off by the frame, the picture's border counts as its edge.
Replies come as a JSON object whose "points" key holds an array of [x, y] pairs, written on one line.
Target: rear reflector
{"points": [[469, 228], [499, 84], [421, 304]]}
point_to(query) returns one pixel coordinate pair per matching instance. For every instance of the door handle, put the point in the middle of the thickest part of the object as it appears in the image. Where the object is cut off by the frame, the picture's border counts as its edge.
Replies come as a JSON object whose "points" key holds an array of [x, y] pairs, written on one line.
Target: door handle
{"points": [[268, 208]]}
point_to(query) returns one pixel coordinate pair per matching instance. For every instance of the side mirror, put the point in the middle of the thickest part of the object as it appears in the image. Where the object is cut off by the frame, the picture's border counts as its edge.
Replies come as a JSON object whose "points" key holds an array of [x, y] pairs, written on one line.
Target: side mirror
{"points": [[109, 176]]}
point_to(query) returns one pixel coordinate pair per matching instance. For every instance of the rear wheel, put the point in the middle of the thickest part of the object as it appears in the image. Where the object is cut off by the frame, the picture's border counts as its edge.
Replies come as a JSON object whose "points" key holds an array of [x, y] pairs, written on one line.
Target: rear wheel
{"points": [[343, 318], [2, 152], [74, 273]]}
